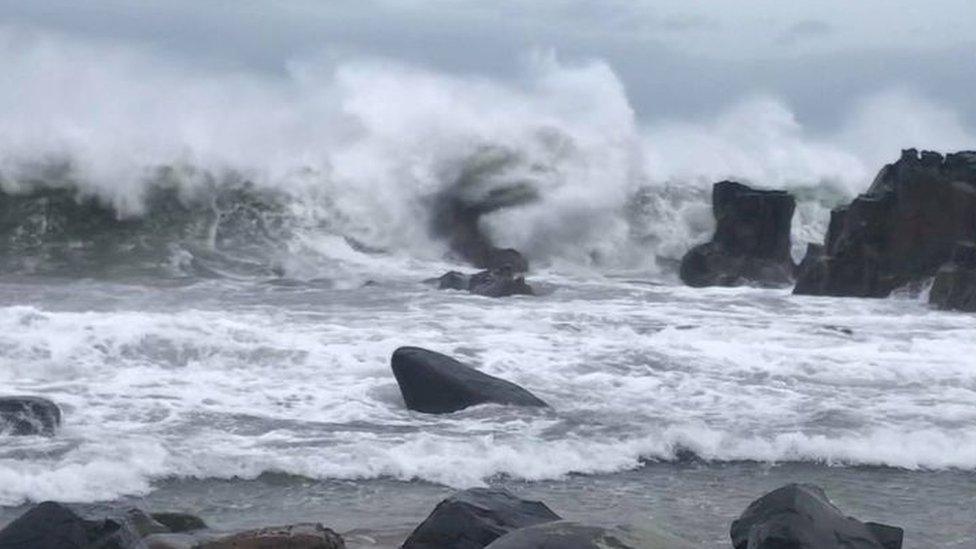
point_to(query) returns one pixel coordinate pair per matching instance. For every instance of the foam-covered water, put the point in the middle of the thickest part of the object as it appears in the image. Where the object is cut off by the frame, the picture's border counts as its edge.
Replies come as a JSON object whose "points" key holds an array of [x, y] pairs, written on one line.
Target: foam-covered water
{"points": [[226, 379]]}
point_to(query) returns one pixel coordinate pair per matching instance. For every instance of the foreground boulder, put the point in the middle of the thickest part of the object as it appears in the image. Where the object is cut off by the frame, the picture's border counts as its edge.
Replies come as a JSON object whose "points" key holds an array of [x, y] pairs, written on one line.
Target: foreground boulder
{"points": [[51, 525], [27, 415], [954, 287], [471, 519], [751, 244], [296, 536], [799, 516], [570, 535], [437, 384], [900, 231]]}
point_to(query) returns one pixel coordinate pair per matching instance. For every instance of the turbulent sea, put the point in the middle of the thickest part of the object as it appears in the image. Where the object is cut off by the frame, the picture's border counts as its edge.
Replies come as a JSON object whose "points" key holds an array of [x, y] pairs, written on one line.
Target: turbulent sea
{"points": [[211, 285]]}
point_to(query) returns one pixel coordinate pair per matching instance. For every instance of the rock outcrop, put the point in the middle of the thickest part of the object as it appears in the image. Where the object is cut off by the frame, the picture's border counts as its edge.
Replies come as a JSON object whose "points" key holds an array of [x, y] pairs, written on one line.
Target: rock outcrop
{"points": [[954, 287], [751, 244], [799, 516], [50, 525], [437, 384], [472, 519], [571, 535], [28, 415], [900, 231], [501, 282]]}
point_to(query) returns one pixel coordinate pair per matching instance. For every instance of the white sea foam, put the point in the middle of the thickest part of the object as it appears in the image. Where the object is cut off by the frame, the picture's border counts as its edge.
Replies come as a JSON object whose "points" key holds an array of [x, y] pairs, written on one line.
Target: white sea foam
{"points": [[297, 380]]}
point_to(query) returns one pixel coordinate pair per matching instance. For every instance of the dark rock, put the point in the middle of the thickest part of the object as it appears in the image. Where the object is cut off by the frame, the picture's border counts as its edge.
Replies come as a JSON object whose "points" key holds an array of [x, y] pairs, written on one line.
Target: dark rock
{"points": [[179, 522], [799, 516], [51, 525], [751, 244], [296, 536], [453, 280], [954, 287], [436, 384], [501, 282], [900, 231], [471, 519], [890, 537], [143, 524], [570, 535], [26, 415]]}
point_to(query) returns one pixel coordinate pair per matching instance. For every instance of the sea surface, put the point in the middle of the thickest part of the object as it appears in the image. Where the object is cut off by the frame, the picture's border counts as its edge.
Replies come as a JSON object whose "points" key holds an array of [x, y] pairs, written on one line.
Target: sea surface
{"points": [[272, 401]]}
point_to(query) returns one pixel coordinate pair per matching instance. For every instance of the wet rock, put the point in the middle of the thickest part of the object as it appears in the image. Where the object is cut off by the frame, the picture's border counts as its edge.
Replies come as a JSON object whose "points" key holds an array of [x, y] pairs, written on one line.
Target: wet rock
{"points": [[454, 280], [751, 244], [180, 522], [571, 535], [498, 283], [50, 525], [143, 524], [900, 231], [28, 415], [954, 287], [437, 384], [471, 519], [296, 536], [501, 282], [799, 516]]}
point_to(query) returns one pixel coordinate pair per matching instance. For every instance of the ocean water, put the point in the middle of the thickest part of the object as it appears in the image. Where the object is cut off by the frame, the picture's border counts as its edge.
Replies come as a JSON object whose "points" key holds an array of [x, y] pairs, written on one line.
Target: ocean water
{"points": [[200, 388], [211, 283]]}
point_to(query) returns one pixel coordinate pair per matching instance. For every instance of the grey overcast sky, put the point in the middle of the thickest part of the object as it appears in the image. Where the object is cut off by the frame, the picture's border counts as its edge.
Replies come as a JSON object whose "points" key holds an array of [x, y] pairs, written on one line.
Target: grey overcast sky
{"points": [[678, 58]]}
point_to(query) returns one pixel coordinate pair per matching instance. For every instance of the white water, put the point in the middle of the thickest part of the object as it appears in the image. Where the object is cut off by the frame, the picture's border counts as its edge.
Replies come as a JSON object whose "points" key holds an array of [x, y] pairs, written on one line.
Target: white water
{"points": [[250, 379]]}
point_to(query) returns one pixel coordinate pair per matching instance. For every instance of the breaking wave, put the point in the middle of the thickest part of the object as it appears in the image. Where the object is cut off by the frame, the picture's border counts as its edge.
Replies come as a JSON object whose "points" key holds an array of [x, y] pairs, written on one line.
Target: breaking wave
{"points": [[154, 167]]}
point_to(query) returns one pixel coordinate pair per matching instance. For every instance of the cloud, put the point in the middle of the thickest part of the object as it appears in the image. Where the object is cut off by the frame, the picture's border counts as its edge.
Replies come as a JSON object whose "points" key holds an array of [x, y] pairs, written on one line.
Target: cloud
{"points": [[805, 30]]}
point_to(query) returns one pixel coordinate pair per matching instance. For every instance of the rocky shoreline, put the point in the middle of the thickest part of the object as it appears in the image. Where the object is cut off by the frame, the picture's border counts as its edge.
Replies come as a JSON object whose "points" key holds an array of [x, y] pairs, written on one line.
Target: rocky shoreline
{"points": [[915, 224], [794, 515]]}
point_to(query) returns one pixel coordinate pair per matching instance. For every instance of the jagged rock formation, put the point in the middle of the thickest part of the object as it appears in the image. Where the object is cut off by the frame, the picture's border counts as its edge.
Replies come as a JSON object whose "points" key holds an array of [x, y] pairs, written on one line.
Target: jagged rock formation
{"points": [[900, 231], [751, 244], [955, 283]]}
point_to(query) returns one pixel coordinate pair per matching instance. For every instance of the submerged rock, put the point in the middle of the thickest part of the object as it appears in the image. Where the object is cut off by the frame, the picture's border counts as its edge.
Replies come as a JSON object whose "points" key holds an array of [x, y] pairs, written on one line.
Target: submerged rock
{"points": [[437, 384], [799, 516], [471, 519], [900, 231], [28, 415], [751, 244], [954, 287], [296, 536], [179, 522], [51, 525], [143, 524], [571, 535]]}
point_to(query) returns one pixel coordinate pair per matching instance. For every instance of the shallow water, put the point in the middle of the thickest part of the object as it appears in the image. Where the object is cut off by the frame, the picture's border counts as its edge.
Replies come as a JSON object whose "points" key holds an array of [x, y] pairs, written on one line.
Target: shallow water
{"points": [[224, 381]]}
